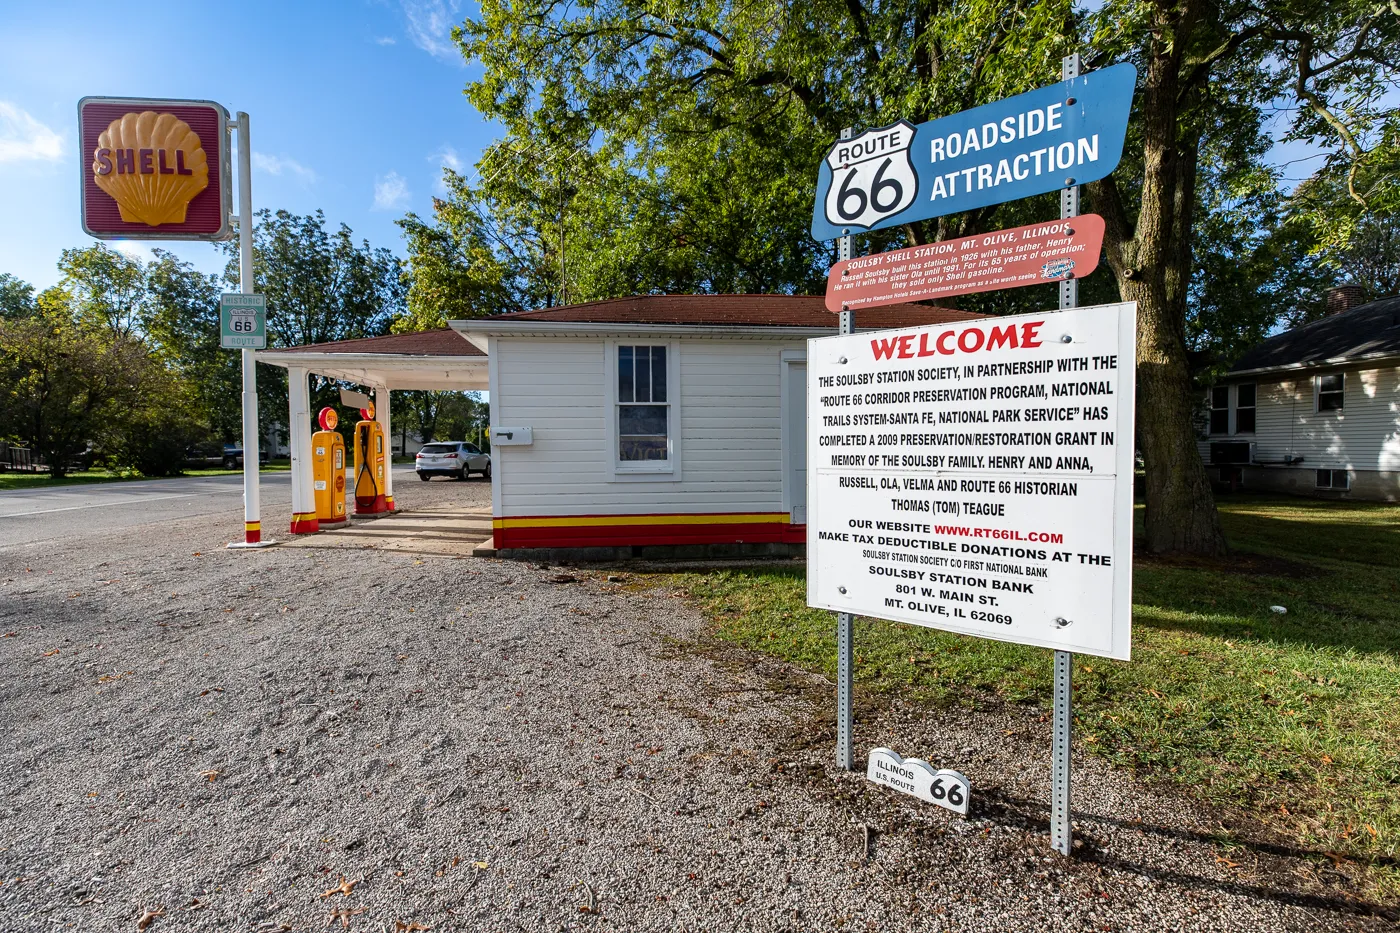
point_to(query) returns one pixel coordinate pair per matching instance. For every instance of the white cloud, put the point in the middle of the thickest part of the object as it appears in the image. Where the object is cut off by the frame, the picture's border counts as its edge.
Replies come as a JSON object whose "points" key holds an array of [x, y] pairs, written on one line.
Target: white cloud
{"points": [[23, 138], [446, 157], [386, 40], [430, 25], [278, 165], [390, 192]]}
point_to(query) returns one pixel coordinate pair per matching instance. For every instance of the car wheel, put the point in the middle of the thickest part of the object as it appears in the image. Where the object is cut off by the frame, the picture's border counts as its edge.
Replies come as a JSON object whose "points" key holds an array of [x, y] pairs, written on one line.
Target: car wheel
{"points": [[465, 474], [230, 463], [424, 477], [486, 473]]}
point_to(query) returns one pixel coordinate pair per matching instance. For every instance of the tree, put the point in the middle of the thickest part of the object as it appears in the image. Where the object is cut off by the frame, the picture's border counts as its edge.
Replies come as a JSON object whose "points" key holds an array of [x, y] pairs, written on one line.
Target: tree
{"points": [[320, 285], [1208, 70], [704, 125], [63, 382], [108, 288], [16, 298], [181, 324]]}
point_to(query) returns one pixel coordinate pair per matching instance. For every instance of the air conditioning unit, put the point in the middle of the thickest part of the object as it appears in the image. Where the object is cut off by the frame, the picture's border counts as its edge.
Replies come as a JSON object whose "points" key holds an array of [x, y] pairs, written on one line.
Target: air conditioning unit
{"points": [[1231, 453]]}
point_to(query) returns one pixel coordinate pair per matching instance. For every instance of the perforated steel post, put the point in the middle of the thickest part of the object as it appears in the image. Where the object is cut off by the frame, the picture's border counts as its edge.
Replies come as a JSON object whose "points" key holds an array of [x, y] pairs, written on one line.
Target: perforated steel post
{"points": [[1061, 817], [845, 628]]}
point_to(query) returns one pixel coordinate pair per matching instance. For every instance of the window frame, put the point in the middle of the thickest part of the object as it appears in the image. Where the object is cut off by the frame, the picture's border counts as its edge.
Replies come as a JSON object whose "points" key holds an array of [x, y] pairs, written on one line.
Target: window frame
{"points": [[1318, 393], [1252, 409], [1331, 485], [623, 471], [1211, 409]]}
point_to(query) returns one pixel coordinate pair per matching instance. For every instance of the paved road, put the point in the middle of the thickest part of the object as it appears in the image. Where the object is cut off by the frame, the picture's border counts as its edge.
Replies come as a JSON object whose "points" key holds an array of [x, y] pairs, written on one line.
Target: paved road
{"points": [[29, 517]]}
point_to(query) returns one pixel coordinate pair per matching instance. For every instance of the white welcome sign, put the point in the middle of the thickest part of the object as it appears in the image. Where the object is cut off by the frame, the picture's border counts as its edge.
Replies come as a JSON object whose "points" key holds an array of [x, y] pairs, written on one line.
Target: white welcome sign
{"points": [[917, 778]]}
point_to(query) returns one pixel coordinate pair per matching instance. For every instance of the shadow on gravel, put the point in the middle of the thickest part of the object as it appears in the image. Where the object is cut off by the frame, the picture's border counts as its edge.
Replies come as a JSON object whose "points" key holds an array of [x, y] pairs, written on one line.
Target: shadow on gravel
{"points": [[1270, 857]]}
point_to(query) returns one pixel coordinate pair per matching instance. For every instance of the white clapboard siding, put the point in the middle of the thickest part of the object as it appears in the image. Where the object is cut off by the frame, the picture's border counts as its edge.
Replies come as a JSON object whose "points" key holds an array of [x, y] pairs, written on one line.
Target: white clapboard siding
{"points": [[729, 424], [1363, 436]]}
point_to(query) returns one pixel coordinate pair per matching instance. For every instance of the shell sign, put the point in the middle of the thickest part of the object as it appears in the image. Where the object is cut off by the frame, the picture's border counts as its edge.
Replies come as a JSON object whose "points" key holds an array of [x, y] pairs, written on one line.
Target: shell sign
{"points": [[154, 169]]}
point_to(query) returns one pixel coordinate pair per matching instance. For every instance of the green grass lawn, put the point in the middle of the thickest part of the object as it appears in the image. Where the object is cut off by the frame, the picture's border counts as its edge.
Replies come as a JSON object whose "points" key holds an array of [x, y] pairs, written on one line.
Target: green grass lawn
{"points": [[1295, 717], [42, 480]]}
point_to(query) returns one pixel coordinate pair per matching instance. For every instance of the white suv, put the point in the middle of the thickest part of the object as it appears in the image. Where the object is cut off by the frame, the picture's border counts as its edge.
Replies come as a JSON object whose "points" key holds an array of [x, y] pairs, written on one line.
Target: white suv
{"points": [[451, 458]]}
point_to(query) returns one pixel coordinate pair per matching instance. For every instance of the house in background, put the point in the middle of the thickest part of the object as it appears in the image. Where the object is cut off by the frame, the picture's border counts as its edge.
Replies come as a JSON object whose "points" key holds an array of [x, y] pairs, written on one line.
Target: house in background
{"points": [[673, 422], [1315, 410]]}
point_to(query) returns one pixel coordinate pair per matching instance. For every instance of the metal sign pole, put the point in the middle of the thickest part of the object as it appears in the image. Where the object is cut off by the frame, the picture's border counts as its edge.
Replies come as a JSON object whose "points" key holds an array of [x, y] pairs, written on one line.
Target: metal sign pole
{"points": [[845, 627], [252, 525], [1061, 828]]}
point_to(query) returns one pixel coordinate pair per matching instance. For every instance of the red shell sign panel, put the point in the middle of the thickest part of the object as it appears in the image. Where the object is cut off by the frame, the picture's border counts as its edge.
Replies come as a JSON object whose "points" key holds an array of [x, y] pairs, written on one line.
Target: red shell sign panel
{"points": [[154, 169], [1029, 255]]}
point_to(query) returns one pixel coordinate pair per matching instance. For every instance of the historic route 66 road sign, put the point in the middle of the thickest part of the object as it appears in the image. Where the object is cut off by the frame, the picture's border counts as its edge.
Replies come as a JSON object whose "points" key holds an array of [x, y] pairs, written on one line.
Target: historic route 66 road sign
{"points": [[1069, 133], [872, 176]]}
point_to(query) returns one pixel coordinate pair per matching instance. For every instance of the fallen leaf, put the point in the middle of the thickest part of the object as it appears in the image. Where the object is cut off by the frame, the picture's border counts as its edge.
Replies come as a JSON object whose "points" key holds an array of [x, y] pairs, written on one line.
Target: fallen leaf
{"points": [[49, 654], [110, 678], [343, 914], [1226, 862], [148, 917], [481, 865], [345, 887], [401, 927], [209, 775], [1327, 759]]}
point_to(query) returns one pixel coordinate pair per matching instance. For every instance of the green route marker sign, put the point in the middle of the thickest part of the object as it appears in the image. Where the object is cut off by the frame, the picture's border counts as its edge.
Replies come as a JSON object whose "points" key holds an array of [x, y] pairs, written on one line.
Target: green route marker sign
{"points": [[242, 322]]}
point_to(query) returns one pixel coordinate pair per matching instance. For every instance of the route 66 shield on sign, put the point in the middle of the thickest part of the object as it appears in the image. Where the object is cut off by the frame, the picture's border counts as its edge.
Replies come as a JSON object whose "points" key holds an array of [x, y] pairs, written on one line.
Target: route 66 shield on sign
{"points": [[872, 176]]}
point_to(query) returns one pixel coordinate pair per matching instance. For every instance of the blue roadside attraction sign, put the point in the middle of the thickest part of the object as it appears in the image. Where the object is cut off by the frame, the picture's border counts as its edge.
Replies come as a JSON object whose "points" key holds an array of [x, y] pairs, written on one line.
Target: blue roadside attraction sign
{"points": [[1069, 133]]}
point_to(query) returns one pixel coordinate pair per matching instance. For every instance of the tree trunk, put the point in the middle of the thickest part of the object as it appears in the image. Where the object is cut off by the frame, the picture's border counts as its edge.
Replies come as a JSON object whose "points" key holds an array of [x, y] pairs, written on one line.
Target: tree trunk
{"points": [[1152, 262], [1181, 515]]}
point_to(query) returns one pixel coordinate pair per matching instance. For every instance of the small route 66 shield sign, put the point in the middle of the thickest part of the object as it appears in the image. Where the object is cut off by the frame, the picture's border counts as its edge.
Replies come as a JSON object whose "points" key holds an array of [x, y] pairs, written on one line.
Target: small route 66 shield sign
{"points": [[872, 176]]}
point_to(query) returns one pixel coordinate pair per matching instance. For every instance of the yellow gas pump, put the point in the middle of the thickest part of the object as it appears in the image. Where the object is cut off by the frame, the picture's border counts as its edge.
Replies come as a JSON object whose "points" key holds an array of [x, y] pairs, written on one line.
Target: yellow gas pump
{"points": [[328, 469], [369, 464]]}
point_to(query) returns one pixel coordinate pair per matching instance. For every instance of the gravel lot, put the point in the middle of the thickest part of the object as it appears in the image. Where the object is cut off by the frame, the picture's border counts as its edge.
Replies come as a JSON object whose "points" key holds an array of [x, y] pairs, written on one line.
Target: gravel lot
{"points": [[294, 739]]}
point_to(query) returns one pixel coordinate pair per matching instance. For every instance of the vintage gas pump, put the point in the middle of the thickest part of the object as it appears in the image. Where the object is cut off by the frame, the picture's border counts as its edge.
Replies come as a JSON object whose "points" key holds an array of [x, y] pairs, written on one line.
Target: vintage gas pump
{"points": [[370, 464], [328, 469]]}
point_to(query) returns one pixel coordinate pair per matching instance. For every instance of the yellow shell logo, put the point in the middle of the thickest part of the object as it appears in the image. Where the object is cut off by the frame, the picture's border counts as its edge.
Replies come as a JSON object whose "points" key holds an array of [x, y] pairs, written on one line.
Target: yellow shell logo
{"points": [[152, 164]]}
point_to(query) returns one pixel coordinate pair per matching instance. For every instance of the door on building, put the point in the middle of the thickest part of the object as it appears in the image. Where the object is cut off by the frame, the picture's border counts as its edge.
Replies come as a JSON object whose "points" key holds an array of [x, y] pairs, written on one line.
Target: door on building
{"points": [[795, 439]]}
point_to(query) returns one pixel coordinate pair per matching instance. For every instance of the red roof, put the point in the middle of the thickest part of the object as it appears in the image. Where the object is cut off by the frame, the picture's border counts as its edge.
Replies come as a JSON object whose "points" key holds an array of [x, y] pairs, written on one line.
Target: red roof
{"points": [[735, 311], [441, 342]]}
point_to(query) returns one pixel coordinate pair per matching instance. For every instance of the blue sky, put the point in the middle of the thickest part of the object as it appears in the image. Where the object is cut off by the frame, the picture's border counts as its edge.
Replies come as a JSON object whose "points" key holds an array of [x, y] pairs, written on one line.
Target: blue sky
{"points": [[355, 107]]}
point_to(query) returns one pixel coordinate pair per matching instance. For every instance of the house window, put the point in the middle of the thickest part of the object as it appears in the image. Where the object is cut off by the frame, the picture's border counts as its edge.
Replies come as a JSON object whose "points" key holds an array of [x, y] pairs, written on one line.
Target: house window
{"points": [[643, 412], [1333, 479], [1220, 410], [1329, 392], [1245, 395]]}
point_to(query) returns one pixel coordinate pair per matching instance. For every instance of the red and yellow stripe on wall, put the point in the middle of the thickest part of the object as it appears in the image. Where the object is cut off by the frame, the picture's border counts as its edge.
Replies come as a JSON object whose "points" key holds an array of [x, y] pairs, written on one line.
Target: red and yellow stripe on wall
{"points": [[626, 530]]}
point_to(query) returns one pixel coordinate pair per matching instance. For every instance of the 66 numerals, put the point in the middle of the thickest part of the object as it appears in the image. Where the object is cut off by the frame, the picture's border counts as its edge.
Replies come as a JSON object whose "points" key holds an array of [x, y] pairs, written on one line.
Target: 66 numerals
{"points": [[242, 324], [953, 792], [884, 194], [950, 789]]}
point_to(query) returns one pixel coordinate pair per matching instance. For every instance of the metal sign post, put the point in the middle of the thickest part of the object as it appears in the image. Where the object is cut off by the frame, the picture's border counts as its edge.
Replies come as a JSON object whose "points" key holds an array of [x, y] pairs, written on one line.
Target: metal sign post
{"points": [[845, 622], [252, 525], [1061, 828]]}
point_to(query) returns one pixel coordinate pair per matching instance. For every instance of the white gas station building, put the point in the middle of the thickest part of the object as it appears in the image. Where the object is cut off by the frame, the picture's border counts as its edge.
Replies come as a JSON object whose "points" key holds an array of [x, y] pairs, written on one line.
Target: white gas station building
{"points": [[673, 422]]}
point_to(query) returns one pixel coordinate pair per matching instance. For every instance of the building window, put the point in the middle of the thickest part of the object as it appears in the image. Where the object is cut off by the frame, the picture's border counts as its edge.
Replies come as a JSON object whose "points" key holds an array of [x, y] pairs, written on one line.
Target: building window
{"points": [[1245, 395], [1220, 410], [643, 412], [1329, 392], [1333, 479]]}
